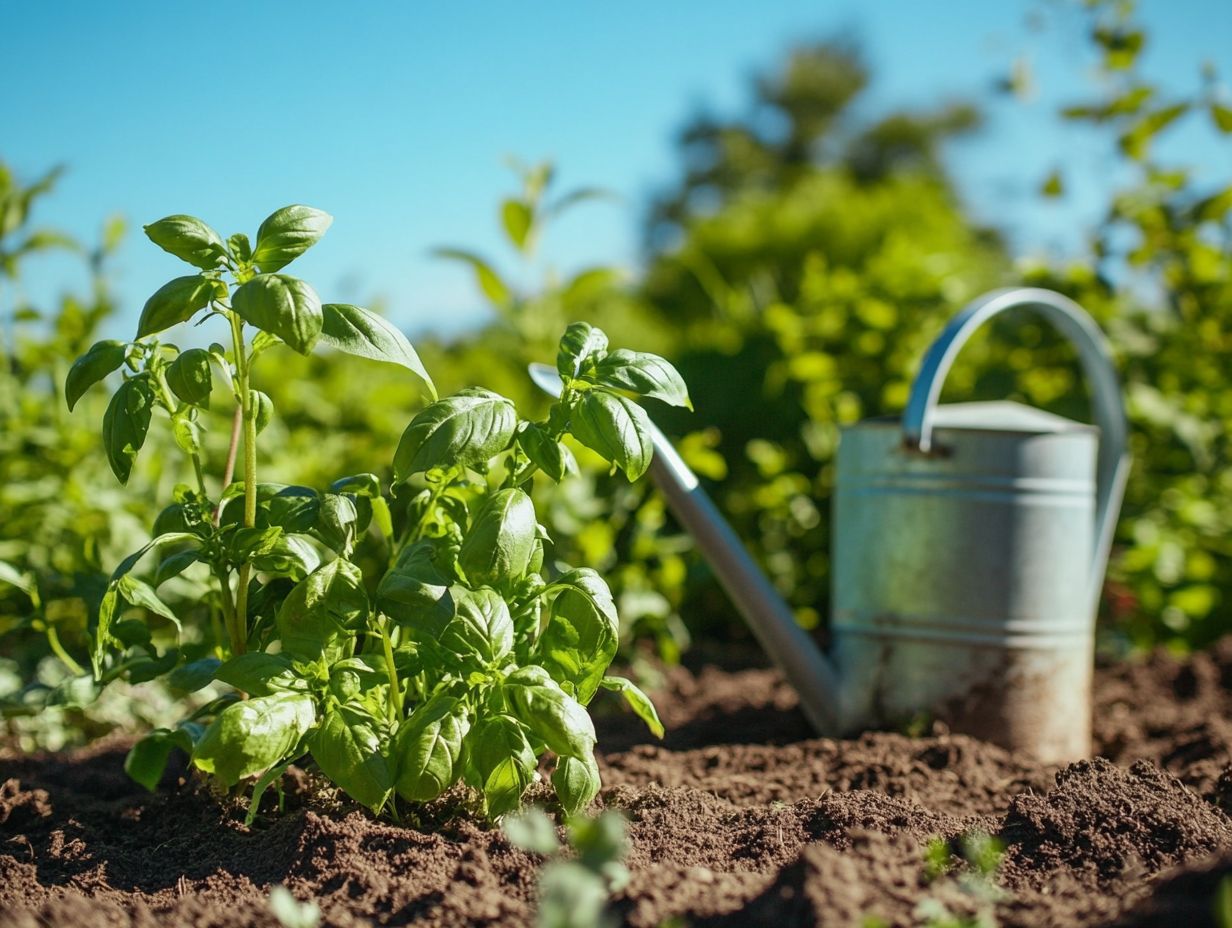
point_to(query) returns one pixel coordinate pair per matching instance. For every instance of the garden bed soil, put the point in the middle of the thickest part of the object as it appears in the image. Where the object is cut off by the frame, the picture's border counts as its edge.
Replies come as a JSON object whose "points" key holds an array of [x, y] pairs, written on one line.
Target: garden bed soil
{"points": [[739, 817]]}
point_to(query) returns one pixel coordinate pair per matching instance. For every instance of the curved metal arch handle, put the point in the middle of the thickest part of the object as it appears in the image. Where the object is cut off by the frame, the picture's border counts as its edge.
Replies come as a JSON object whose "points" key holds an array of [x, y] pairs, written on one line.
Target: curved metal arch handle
{"points": [[1108, 407]]}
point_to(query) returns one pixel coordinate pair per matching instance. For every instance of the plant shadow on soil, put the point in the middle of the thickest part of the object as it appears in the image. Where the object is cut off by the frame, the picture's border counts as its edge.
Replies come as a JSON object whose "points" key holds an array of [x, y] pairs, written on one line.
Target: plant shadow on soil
{"points": [[739, 817]]}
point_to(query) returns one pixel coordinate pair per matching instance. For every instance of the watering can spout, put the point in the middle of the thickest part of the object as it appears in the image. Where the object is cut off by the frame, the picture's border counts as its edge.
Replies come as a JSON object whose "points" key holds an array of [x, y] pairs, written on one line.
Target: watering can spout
{"points": [[768, 616]]}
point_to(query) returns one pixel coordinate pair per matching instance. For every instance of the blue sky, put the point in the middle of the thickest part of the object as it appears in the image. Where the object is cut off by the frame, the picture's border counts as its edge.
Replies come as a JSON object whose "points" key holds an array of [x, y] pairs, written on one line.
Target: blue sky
{"points": [[396, 118]]}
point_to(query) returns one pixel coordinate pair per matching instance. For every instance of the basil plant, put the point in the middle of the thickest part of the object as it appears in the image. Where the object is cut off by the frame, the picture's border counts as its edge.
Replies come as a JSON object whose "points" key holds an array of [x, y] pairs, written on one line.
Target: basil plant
{"points": [[449, 656]]}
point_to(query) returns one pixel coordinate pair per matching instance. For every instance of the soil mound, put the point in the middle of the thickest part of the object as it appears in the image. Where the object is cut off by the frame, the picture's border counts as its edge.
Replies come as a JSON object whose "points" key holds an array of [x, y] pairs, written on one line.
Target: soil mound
{"points": [[739, 817]]}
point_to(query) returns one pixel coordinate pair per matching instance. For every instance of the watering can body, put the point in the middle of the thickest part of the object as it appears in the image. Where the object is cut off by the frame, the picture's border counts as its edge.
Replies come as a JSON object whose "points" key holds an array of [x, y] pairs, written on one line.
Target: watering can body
{"points": [[961, 577], [969, 549]]}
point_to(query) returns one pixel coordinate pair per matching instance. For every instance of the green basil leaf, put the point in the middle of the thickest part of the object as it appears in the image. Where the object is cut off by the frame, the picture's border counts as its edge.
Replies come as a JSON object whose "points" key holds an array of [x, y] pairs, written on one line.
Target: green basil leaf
{"points": [[581, 346], [293, 508], [366, 485], [289, 556], [263, 408], [146, 761], [259, 674], [638, 701], [582, 632], [616, 428], [429, 748], [337, 522], [194, 675], [174, 302], [497, 548], [139, 593], [415, 593], [186, 431], [189, 239], [281, 305], [102, 635], [363, 333], [240, 248], [576, 780], [489, 281], [318, 612], [503, 762], [125, 424], [466, 429], [351, 678], [175, 564], [553, 458], [253, 734], [286, 234], [190, 378], [481, 630], [348, 750], [644, 374], [552, 715], [103, 358]]}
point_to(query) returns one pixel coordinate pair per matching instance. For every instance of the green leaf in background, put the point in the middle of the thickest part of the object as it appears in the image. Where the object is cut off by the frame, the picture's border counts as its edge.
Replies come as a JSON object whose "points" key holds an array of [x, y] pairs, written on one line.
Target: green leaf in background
{"points": [[189, 377], [466, 429], [581, 345], [644, 374], [489, 281], [616, 428], [576, 780], [103, 358], [503, 762], [532, 830], [582, 633], [552, 457], [1221, 116], [498, 546], [638, 701], [286, 234], [518, 220], [360, 332], [174, 302], [189, 239], [348, 750], [125, 424], [282, 305], [253, 734], [429, 748]]}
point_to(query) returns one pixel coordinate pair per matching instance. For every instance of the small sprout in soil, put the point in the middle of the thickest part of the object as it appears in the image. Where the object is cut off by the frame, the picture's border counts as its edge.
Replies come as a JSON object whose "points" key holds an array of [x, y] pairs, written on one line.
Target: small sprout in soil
{"points": [[576, 883], [292, 913], [406, 639]]}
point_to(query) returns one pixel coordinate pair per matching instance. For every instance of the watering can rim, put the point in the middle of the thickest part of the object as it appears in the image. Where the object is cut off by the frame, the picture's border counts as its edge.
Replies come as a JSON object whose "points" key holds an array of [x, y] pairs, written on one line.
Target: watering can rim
{"points": [[1028, 420]]}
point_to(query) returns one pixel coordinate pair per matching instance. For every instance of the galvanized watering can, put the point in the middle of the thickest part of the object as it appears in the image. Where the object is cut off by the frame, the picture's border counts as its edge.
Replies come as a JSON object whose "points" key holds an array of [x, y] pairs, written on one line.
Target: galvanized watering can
{"points": [[969, 547]]}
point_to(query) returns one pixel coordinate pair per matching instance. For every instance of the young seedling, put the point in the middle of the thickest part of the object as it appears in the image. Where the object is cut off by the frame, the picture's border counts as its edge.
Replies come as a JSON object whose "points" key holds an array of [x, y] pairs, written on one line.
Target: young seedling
{"points": [[451, 657], [574, 888]]}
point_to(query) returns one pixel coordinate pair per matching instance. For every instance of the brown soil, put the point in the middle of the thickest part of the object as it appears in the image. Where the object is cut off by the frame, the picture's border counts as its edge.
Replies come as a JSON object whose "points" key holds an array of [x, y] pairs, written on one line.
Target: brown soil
{"points": [[738, 817]]}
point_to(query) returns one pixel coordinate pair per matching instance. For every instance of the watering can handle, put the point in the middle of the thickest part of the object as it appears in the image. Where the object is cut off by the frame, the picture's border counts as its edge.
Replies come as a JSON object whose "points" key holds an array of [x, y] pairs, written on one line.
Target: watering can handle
{"points": [[1112, 466]]}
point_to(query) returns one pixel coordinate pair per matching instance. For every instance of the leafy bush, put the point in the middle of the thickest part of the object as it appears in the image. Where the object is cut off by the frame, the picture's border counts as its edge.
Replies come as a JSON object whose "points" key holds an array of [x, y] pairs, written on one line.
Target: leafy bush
{"points": [[440, 653]]}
